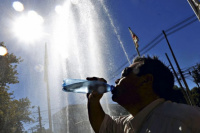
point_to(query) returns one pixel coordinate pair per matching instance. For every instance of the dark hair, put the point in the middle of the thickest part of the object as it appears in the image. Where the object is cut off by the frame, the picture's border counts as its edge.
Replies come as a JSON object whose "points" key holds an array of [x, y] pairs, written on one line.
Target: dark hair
{"points": [[163, 79]]}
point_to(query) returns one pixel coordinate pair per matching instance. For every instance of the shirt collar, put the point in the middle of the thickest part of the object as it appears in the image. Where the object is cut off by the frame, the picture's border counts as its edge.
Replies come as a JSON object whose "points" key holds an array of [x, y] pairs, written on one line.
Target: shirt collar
{"points": [[137, 121]]}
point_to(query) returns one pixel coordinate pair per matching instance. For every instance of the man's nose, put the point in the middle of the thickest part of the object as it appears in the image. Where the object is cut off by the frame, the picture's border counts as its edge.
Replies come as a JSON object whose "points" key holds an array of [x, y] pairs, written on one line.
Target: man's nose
{"points": [[117, 81]]}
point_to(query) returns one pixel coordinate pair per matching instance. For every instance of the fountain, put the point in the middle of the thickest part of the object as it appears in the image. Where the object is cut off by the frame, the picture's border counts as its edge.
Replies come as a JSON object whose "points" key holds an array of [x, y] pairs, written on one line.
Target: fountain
{"points": [[78, 48]]}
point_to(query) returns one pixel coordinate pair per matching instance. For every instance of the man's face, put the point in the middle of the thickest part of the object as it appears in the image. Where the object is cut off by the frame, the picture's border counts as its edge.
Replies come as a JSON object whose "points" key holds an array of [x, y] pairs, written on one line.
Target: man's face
{"points": [[127, 89]]}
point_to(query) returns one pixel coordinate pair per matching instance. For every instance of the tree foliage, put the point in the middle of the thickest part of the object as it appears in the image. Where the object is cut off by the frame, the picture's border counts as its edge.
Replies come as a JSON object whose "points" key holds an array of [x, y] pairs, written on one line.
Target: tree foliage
{"points": [[13, 113], [8, 65], [196, 74], [178, 95], [196, 95]]}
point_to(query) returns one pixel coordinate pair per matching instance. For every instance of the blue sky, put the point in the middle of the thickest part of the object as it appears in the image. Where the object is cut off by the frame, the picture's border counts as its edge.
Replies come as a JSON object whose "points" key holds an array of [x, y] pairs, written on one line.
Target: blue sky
{"points": [[95, 41]]}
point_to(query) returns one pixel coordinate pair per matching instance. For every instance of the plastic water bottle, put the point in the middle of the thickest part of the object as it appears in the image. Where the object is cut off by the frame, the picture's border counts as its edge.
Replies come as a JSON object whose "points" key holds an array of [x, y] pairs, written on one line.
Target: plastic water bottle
{"points": [[85, 86]]}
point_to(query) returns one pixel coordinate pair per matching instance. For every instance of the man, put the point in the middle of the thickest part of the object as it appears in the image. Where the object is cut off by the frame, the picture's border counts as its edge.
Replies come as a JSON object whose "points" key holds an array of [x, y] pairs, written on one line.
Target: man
{"points": [[145, 90]]}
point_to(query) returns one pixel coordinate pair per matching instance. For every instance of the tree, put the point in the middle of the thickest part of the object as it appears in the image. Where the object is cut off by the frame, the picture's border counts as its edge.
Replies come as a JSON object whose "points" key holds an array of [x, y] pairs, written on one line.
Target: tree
{"points": [[177, 95], [13, 113], [196, 95], [196, 74]]}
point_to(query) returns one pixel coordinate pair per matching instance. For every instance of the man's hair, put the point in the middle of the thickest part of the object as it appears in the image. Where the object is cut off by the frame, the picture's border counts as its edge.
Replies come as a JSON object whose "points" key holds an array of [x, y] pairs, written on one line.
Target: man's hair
{"points": [[163, 79]]}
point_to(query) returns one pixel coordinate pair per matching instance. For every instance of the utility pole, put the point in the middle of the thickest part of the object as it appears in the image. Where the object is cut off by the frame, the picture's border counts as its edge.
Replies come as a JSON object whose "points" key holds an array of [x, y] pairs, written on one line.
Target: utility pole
{"points": [[183, 78], [183, 91], [40, 120], [47, 83]]}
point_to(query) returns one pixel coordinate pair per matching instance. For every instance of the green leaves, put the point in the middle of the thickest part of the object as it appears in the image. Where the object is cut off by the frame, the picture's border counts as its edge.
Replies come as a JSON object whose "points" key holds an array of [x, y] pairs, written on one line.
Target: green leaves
{"points": [[196, 95], [196, 74], [13, 113]]}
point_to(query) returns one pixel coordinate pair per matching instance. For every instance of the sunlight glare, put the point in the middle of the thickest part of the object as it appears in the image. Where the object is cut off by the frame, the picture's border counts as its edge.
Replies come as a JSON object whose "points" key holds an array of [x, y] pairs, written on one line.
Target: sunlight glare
{"points": [[3, 51], [18, 6], [63, 25], [29, 28], [58, 9], [74, 2]]}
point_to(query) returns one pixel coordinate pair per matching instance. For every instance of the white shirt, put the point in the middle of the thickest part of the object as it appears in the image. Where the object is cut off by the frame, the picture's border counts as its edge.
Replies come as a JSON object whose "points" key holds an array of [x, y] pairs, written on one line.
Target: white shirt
{"points": [[158, 117]]}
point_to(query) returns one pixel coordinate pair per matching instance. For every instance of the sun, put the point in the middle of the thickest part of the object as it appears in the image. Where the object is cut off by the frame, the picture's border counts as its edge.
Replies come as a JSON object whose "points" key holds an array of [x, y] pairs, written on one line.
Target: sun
{"points": [[29, 27]]}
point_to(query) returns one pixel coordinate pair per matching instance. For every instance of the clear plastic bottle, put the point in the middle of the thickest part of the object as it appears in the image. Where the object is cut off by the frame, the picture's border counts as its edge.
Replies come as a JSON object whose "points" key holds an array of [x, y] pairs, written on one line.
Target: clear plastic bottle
{"points": [[85, 86]]}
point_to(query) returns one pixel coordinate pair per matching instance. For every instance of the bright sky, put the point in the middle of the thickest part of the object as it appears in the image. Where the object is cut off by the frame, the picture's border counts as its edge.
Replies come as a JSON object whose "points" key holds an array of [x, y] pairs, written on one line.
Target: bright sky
{"points": [[92, 39]]}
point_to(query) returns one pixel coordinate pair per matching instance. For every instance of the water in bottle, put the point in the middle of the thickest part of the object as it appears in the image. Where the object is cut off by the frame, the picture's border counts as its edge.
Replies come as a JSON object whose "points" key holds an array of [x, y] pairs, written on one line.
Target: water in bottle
{"points": [[85, 86]]}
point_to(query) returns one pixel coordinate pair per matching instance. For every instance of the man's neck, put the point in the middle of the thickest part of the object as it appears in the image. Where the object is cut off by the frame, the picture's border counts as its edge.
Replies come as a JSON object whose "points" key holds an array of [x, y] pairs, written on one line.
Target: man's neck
{"points": [[136, 108]]}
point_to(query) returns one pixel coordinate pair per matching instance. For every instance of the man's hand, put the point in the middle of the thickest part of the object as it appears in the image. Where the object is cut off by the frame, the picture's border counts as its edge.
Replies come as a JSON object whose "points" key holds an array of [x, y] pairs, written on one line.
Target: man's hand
{"points": [[94, 96], [95, 111]]}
